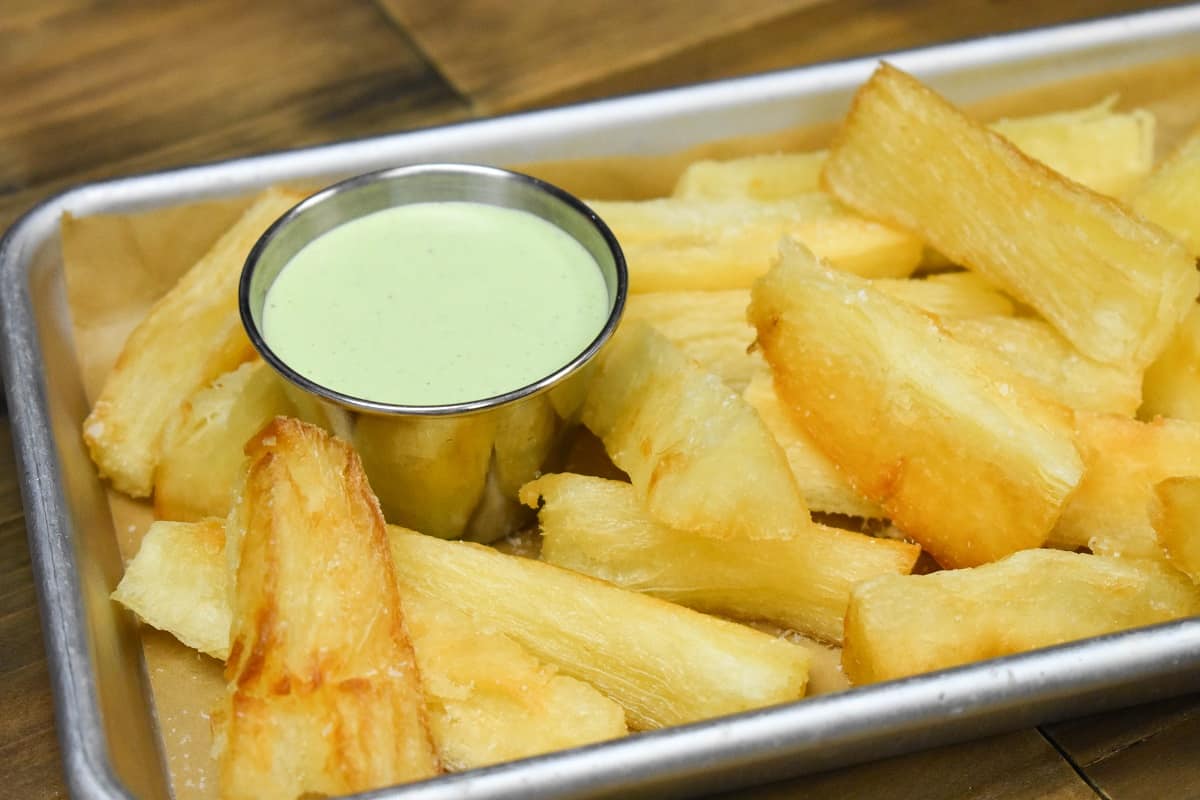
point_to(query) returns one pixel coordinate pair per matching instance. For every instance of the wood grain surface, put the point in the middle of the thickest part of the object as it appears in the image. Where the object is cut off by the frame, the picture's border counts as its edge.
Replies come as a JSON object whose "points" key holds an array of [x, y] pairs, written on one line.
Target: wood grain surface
{"points": [[96, 89]]}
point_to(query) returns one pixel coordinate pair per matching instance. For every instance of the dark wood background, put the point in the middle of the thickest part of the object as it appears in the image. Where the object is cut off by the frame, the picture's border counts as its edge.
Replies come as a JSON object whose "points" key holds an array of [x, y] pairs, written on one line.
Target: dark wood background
{"points": [[97, 89]]}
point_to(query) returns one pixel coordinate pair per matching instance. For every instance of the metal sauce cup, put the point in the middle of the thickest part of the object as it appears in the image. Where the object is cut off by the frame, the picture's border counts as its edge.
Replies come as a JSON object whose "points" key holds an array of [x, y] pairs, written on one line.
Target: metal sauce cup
{"points": [[447, 470]]}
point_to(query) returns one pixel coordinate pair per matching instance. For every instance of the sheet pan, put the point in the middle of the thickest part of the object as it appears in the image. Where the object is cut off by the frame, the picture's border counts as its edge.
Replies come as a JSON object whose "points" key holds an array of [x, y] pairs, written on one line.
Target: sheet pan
{"points": [[104, 711]]}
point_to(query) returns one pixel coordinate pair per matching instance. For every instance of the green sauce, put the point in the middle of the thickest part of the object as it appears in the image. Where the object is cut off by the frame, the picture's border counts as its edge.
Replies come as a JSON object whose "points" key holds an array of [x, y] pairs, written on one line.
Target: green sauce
{"points": [[435, 303]]}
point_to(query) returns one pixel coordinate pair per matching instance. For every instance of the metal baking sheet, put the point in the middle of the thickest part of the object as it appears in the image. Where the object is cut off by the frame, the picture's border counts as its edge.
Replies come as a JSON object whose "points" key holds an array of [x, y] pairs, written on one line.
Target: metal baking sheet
{"points": [[104, 710]]}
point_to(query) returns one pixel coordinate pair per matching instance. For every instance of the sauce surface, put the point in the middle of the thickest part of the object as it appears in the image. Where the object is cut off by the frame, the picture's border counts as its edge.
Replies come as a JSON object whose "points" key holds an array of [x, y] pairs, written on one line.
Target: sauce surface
{"points": [[435, 303]]}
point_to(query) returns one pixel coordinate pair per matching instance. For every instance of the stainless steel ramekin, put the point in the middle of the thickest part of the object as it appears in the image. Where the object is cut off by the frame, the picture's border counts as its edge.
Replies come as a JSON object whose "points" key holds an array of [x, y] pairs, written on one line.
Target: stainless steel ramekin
{"points": [[447, 470]]}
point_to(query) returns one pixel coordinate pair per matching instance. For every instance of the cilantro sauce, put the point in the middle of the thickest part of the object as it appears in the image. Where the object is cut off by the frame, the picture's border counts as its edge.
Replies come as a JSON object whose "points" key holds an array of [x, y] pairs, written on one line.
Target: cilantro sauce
{"points": [[435, 303]]}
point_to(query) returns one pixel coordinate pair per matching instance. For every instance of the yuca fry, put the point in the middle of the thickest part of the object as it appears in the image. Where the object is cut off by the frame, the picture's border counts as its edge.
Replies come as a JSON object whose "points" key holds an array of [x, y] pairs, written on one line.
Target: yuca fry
{"points": [[905, 625], [823, 486], [1171, 195], [429, 473], [1106, 150], [699, 457], [318, 640], [177, 583], [1111, 511], [190, 336], [1176, 520], [949, 295], [1114, 286], [597, 527], [764, 178], [963, 454], [709, 327], [665, 664], [1035, 350], [202, 441], [1171, 385], [488, 699], [681, 245]]}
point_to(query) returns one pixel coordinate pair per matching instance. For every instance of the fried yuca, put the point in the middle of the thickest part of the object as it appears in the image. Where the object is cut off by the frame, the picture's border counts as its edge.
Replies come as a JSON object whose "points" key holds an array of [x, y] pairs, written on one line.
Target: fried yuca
{"points": [[189, 337], [489, 700], [1171, 385], [1034, 349], [711, 327], [905, 625], [318, 639], [202, 441], [962, 453], [177, 583], [699, 457], [1111, 511], [1176, 520], [1171, 195], [598, 527], [681, 245], [823, 485], [1114, 286], [1106, 150], [665, 664]]}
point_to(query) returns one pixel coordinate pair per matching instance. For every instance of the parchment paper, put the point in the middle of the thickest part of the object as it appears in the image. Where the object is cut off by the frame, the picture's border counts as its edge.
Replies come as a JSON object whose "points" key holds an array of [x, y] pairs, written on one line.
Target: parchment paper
{"points": [[116, 266]]}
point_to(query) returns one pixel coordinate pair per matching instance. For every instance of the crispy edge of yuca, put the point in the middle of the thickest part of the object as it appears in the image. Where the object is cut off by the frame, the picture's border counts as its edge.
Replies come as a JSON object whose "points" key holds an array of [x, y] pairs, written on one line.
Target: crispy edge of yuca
{"points": [[489, 699], [1170, 195], [823, 485], [1115, 286], [599, 528], [323, 694], [906, 625], [697, 453], [189, 337], [1110, 511], [964, 455], [201, 456], [665, 664], [1176, 520]]}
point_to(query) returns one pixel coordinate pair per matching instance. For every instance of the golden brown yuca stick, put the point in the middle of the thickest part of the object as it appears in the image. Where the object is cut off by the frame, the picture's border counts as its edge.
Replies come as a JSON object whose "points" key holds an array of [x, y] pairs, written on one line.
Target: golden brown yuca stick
{"points": [[1035, 350], [963, 454], [1123, 459], [318, 640], [191, 335], [952, 294], [764, 178], [682, 245], [709, 327], [1176, 519], [665, 664], [1114, 286], [899, 626], [201, 454], [1106, 150], [699, 457], [823, 485], [1171, 385], [597, 527], [488, 699], [178, 583], [1171, 195]]}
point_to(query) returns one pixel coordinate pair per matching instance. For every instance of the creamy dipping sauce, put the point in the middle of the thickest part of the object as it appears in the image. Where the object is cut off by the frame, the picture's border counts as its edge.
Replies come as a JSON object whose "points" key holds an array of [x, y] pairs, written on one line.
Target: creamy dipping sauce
{"points": [[435, 303]]}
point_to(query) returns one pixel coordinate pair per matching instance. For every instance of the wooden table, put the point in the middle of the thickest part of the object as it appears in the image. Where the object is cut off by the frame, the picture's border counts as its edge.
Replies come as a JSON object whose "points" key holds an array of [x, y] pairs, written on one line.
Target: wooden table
{"points": [[93, 90]]}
